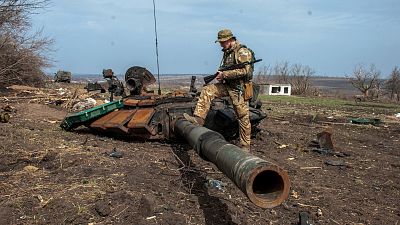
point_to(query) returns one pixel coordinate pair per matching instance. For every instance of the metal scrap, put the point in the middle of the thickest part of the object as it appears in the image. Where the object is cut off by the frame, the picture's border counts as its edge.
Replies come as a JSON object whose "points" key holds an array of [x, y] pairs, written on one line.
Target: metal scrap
{"points": [[4, 117], [365, 121]]}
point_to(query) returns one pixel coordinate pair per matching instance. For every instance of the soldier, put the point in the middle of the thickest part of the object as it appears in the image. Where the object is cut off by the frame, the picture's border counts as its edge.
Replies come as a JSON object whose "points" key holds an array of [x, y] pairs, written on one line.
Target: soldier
{"points": [[231, 83]]}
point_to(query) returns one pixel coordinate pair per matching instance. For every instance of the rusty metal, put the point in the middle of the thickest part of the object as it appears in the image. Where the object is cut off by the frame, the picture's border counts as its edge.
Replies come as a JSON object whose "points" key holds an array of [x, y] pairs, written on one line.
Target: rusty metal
{"points": [[99, 123], [265, 184], [142, 118], [147, 116], [325, 140]]}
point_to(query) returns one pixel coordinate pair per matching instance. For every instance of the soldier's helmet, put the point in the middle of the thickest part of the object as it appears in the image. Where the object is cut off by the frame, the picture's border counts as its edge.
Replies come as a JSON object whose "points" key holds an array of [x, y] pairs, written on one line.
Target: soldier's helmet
{"points": [[224, 35]]}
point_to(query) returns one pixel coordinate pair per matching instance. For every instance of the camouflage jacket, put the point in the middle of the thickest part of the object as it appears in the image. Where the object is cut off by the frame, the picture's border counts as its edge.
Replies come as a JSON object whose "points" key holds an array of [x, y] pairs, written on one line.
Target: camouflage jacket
{"points": [[237, 54]]}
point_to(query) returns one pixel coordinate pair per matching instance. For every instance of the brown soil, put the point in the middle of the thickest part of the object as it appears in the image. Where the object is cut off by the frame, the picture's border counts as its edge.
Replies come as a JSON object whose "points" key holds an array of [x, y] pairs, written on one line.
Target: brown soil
{"points": [[76, 182]]}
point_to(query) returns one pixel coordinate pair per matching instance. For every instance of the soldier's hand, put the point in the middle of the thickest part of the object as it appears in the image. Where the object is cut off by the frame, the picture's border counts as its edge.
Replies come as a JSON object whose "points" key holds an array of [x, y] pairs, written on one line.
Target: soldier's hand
{"points": [[220, 76]]}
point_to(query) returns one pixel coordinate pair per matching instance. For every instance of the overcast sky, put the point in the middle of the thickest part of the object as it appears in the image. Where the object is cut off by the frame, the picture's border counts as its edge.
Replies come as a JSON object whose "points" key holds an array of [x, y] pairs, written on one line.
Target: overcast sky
{"points": [[331, 37]]}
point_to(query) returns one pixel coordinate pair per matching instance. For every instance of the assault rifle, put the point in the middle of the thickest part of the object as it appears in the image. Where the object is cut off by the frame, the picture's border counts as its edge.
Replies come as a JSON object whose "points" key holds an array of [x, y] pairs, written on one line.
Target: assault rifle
{"points": [[209, 78]]}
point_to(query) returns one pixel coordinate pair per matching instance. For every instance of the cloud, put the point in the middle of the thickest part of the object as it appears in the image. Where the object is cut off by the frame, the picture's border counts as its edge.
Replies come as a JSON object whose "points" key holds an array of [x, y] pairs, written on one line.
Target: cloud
{"points": [[288, 28]]}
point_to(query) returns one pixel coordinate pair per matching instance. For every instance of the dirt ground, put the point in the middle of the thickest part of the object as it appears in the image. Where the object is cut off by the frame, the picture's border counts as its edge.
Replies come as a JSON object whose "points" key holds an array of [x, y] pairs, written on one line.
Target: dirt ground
{"points": [[50, 176]]}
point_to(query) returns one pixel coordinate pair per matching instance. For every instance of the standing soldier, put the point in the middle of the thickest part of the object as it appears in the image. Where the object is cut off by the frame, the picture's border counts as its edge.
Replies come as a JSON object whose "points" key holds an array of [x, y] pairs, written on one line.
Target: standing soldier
{"points": [[234, 83]]}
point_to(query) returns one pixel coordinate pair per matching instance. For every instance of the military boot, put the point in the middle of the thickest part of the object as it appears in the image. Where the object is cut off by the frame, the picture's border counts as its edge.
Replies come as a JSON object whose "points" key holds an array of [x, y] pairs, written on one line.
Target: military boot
{"points": [[194, 119]]}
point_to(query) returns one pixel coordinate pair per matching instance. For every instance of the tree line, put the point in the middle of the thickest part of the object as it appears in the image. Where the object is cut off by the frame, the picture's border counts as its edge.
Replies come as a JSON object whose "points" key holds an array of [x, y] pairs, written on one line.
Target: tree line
{"points": [[297, 75], [22, 52], [367, 80]]}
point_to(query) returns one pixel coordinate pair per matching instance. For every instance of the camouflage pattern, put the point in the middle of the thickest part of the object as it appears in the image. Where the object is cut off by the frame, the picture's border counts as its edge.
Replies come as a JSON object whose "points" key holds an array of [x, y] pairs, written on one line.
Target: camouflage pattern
{"points": [[224, 35], [240, 106], [232, 86], [237, 54]]}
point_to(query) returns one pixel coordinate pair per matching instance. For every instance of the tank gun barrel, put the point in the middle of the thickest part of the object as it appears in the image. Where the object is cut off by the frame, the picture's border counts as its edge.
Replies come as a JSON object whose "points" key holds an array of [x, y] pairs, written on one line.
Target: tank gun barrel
{"points": [[265, 184]]}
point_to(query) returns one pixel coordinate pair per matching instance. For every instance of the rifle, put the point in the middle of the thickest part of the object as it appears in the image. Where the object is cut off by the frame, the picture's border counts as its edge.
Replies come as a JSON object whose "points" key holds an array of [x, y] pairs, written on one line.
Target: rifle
{"points": [[209, 78]]}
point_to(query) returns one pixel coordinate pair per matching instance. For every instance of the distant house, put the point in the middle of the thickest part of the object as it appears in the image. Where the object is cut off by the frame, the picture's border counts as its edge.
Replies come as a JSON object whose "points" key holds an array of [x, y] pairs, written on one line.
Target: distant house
{"points": [[277, 89]]}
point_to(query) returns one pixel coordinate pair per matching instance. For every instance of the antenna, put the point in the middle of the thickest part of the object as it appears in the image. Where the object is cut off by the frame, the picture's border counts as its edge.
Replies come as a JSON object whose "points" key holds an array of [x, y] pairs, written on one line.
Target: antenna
{"points": [[155, 31]]}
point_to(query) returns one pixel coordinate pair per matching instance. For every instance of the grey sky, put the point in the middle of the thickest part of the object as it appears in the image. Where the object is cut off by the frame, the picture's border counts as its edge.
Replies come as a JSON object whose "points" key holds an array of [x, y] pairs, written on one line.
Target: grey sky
{"points": [[329, 36]]}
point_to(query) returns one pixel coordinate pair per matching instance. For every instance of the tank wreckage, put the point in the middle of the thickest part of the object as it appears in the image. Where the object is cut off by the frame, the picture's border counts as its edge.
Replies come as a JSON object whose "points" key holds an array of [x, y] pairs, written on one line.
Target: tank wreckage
{"points": [[143, 115]]}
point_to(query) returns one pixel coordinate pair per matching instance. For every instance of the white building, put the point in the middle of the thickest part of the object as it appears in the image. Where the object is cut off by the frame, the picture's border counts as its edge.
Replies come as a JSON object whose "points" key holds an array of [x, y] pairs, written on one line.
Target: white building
{"points": [[278, 89]]}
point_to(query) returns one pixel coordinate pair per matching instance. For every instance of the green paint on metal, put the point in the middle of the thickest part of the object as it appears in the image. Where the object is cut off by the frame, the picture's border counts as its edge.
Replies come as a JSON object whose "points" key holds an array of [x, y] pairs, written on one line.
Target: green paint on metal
{"points": [[365, 121], [74, 120]]}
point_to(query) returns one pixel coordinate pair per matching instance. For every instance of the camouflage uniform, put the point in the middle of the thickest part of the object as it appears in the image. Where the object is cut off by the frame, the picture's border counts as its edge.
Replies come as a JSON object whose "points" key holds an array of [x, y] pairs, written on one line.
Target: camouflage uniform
{"points": [[232, 86]]}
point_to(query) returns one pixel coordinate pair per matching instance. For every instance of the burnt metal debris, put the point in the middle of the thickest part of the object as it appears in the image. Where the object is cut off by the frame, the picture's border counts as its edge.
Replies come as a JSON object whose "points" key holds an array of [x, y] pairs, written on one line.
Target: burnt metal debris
{"points": [[143, 115], [63, 76], [4, 117], [115, 86]]}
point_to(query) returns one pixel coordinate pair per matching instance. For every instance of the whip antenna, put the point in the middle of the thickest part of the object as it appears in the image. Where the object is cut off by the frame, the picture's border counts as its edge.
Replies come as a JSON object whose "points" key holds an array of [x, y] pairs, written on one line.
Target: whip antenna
{"points": [[155, 31]]}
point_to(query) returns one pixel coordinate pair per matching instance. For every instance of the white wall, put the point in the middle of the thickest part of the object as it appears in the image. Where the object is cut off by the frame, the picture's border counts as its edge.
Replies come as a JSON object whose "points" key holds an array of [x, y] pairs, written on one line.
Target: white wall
{"points": [[278, 89]]}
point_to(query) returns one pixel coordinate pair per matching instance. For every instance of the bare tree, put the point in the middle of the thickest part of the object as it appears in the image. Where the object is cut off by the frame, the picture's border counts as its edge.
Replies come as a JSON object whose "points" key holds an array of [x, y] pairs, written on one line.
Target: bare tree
{"points": [[392, 85], [282, 72], [300, 79], [365, 80], [297, 75], [263, 75], [22, 55]]}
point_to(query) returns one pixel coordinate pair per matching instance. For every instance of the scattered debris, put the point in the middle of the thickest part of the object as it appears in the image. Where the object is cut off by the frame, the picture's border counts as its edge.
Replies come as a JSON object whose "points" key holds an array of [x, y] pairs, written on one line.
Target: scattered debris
{"points": [[324, 144], [8, 108], [214, 184], [283, 146], [116, 154], [397, 115], [310, 167], [57, 102], [30, 169], [304, 219], [294, 194], [335, 163], [147, 206], [319, 212], [22, 88], [4, 117], [43, 203], [325, 140], [102, 208], [331, 153], [50, 121], [84, 104], [365, 121]]}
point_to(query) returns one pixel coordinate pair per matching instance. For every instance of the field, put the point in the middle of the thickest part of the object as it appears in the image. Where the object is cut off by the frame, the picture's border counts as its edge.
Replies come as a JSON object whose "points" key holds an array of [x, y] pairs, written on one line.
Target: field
{"points": [[50, 176]]}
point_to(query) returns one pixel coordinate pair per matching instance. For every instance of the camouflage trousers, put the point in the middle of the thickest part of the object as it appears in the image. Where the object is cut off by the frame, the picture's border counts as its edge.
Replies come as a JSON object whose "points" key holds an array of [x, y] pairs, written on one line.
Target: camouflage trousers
{"points": [[240, 106]]}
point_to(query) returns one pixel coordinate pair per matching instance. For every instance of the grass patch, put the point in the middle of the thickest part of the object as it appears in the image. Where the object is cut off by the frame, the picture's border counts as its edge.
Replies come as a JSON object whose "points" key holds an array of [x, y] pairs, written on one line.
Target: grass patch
{"points": [[328, 102]]}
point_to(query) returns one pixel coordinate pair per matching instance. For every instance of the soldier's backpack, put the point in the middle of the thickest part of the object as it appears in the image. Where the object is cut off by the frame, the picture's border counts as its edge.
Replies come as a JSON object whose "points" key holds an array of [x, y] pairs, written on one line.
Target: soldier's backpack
{"points": [[253, 58]]}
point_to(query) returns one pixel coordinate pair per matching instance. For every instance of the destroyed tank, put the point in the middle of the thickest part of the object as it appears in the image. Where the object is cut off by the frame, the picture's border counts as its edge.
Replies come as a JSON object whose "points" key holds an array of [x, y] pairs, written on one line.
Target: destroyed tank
{"points": [[63, 76], [146, 116], [142, 115]]}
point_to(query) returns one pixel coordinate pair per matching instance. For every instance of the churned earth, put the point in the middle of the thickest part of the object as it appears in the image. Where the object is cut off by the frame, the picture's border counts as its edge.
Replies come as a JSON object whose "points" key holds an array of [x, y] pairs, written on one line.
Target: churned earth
{"points": [[50, 176]]}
